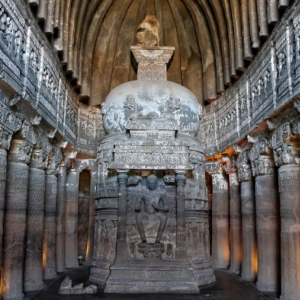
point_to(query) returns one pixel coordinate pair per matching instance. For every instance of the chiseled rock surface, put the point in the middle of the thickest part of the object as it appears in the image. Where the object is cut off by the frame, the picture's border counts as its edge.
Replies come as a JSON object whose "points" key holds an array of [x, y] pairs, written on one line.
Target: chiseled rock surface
{"points": [[67, 289]]}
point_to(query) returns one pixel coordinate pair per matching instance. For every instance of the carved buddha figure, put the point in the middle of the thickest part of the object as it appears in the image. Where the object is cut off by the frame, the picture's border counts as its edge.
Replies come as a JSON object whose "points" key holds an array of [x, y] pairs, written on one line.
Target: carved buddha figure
{"points": [[151, 202]]}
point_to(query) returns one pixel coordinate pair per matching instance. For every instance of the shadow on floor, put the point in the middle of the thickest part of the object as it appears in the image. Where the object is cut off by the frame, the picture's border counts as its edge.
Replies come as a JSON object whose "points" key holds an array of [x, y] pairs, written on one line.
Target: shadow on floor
{"points": [[227, 287]]}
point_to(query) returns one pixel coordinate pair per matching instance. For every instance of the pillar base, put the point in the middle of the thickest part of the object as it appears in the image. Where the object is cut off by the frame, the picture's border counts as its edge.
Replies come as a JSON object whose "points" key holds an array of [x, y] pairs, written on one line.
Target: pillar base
{"points": [[266, 288], [34, 287], [50, 276], [17, 297]]}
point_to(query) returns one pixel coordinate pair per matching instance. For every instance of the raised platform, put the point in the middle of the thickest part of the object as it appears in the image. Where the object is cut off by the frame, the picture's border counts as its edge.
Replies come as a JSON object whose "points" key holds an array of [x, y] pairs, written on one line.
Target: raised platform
{"points": [[151, 277]]}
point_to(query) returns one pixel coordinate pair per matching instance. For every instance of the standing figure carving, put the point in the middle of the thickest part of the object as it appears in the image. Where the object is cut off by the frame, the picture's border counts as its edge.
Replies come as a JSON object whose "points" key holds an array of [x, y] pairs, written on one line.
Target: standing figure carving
{"points": [[151, 202]]}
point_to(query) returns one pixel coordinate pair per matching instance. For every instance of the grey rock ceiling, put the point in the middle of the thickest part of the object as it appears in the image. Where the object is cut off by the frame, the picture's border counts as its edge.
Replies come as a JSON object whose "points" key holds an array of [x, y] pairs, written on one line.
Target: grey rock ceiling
{"points": [[214, 39]]}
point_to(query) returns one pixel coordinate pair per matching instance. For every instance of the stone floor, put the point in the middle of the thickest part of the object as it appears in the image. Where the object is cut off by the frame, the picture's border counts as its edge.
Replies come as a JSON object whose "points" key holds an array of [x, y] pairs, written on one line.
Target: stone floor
{"points": [[228, 287]]}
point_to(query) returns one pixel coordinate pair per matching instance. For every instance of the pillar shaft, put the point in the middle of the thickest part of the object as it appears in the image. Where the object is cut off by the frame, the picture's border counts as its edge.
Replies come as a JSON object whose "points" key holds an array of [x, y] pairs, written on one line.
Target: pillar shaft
{"points": [[235, 225], [122, 213], [49, 261], [60, 219], [267, 224], [289, 179], [249, 258], [220, 226], [33, 275], [90, 245], [71, 222], [3, 166], [14, 228], [180, 234]]}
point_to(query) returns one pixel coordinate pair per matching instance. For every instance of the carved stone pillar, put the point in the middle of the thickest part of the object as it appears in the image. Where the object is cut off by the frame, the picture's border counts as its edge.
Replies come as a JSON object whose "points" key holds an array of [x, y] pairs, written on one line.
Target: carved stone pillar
{"points": [[60, 218], [220, 226], [90, 245], [106, 196], [249, 257], [267, 216], [287, 158], [122, 213], [33, 275], [49, 260], [180, 253], [5, 143], [71, 222], [235, 216], [15, 219]]}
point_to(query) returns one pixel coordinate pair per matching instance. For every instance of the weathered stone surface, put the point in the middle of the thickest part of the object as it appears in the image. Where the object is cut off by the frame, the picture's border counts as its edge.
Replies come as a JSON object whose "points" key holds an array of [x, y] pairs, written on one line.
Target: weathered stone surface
{"points": [[60, 219], [267, 226], [67, 289], [33, 274], [14, 228], [249, 259], [220, 219], [83, 222], [71, 221], [235, 225], [49, 261], [288, 177]]}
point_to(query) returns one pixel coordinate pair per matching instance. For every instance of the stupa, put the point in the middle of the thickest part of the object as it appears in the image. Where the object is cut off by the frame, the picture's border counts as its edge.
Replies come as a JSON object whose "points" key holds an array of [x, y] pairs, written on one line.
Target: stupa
{"points": [[151, 220]]}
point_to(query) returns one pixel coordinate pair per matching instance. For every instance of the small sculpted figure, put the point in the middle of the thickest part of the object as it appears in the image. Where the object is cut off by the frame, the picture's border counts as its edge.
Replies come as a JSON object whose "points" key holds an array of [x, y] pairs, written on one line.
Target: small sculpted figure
{"points": [[148, 32], [153, 202]]}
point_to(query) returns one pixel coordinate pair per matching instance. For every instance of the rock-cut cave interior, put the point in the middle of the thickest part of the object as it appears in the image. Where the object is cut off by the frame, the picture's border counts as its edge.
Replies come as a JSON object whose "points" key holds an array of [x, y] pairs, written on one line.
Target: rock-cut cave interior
{"points": [[150, 149]]}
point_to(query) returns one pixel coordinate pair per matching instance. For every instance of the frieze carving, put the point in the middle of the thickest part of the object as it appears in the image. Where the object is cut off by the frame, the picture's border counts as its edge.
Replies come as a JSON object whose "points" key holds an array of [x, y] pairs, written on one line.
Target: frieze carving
{"points": [[151, 124]]}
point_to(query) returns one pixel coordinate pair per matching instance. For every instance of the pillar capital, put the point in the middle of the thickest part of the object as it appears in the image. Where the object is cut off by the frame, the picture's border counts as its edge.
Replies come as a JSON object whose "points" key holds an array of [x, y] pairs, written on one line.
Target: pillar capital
{"points": [[5, 138], [213, 167], [180, 177], [20, 151], [243, 166], [286, 143], [261, 158], [122, 175], [229, 163]]}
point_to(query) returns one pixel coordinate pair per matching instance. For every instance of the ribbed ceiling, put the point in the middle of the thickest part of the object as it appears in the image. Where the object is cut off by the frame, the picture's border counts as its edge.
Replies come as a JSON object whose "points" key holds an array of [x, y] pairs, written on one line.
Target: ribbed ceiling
{"points": [[214, 39]]}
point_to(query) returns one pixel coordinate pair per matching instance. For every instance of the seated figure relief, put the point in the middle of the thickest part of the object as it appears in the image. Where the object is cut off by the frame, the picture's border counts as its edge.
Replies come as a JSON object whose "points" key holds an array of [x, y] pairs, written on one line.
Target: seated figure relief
{"points": [[151, 201]]}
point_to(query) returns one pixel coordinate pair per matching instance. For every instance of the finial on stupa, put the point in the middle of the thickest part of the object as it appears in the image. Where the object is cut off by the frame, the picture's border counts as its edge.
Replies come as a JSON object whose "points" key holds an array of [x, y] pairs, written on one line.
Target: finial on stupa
{"points": [[151, 59]]}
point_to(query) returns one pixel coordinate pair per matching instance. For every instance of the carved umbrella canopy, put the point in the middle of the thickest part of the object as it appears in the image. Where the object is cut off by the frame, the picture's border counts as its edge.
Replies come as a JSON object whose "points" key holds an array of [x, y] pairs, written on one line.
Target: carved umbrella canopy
{"points": [[151, 225]]}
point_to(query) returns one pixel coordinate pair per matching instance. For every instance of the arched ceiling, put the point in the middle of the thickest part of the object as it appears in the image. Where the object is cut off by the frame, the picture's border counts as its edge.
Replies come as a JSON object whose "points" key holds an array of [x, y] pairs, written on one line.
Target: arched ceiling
{"points": [[214, 39]]}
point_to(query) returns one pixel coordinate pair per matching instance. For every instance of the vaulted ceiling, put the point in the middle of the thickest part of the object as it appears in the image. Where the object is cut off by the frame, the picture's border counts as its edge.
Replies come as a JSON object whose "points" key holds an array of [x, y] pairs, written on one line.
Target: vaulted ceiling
{"points": [[214, 39]]}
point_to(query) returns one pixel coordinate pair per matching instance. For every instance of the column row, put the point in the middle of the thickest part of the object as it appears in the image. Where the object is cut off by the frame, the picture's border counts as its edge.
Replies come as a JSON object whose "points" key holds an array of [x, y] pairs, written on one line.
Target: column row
{"points": [[256, 213]]}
